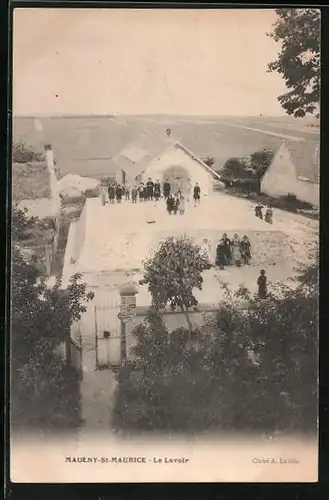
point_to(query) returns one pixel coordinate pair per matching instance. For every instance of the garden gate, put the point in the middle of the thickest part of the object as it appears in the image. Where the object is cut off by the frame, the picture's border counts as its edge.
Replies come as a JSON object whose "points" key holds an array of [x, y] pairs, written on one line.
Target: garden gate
{"points": [[110, 327], [107, 335]]}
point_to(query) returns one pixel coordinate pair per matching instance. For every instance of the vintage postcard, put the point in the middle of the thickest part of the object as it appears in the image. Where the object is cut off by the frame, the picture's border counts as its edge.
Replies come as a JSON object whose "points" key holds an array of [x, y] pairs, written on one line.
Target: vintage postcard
{"points": [[165, 238]]}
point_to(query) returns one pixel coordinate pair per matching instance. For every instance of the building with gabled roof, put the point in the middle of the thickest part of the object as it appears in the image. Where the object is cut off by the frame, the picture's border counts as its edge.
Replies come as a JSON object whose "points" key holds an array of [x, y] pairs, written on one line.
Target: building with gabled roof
{"points": [[134, 158], [295, 169], [162, 158]]}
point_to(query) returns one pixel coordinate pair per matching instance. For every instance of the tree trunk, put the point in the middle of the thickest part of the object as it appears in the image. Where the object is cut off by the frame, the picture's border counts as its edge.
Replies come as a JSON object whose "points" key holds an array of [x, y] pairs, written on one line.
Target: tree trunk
{"points": [[188, 321]]}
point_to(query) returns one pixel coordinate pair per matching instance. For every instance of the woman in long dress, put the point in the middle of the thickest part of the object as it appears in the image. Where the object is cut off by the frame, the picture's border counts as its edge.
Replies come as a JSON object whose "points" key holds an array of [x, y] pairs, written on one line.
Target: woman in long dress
{"points": [[141, 191], [269, 216], [170, 204], [166, 189], [236, 252], [259, 211]]}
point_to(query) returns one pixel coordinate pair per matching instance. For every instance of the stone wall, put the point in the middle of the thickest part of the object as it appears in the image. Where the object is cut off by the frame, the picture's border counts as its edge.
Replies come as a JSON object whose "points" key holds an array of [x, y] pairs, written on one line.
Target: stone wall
{"points": [[267, 247]]}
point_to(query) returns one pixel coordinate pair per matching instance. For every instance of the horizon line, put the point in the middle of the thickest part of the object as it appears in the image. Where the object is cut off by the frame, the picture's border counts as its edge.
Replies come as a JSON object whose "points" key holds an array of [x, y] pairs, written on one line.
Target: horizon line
{"points": [[112, 115]]}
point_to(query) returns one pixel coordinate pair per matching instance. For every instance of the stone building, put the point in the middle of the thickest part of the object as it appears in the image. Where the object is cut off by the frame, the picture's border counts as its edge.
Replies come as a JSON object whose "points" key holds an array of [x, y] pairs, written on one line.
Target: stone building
{"points": [[294, 170]]}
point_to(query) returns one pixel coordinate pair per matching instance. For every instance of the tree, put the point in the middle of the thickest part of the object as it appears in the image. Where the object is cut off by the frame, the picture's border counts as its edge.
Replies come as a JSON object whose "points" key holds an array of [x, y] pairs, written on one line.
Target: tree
{"points": [[40, 321], [172, 274], [248, 369], [279, 388], [235, 168], [21, 223], [298, 31], [208, 160], [260, 161], [41, 317]]}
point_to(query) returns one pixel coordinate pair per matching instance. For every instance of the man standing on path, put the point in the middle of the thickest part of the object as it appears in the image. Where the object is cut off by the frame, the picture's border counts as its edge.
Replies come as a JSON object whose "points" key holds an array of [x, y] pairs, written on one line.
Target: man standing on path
{"points": [[157, 190], [127, 191], [111, 193], [221, 254], [141, 191], [166, 189], [262, 285], [118, 193]]}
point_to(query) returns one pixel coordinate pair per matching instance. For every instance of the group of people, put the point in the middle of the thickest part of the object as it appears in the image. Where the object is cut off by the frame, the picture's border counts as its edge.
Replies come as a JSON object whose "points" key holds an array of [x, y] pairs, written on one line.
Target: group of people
{"points": [[268, 213], [115, 192], [151, 191], [176, 202], [147, 191], [236, 251]]}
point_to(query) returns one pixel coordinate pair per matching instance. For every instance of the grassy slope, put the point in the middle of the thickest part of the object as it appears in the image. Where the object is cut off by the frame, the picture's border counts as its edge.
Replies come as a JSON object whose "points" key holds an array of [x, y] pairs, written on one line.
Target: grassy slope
{"points": [[30, 181]]}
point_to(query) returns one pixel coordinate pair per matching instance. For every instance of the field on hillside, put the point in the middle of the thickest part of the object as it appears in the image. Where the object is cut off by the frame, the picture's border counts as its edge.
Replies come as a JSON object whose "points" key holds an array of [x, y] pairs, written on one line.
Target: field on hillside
{"points": [[87, 145]]}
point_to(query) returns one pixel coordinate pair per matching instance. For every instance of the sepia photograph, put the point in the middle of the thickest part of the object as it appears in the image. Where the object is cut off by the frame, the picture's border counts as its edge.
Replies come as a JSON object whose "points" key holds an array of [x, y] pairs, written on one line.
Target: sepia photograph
{"points": [[165, 245]]}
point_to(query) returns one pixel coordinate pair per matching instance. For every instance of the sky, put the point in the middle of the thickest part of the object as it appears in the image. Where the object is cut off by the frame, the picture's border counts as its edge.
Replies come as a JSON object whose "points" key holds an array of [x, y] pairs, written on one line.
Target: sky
{"points": [[130, 61]]}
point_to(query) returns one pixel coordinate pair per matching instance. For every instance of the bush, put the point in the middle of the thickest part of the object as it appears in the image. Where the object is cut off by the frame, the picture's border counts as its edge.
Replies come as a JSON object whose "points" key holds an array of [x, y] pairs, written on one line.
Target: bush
{"points": [[208, 160], [23, 153], [169, 386], [291, 201], [92, 193], [46, 396], [247, 370], [260, 161], [78, 199], [107, 181]]}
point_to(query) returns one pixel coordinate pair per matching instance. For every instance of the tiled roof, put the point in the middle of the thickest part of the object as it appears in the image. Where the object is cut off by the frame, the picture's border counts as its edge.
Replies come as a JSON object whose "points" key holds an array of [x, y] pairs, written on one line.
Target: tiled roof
{"points": [[209, 169], [305, 155], [138, 154], [135, 157]]}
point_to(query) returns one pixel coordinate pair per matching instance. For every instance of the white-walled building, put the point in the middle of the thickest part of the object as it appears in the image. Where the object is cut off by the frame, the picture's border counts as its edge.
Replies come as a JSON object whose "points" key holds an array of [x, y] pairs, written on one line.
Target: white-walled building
{"points": [[163, 159], [294, 170]]}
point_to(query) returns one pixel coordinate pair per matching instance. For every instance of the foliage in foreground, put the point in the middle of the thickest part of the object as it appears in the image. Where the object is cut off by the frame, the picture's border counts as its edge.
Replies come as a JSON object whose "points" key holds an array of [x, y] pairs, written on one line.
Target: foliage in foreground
{"points": [[298, 32], [172, 274], [44, 390], [253, 369]]}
